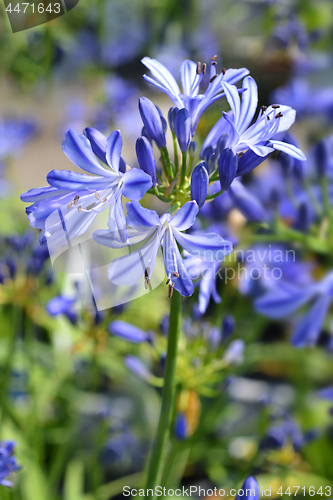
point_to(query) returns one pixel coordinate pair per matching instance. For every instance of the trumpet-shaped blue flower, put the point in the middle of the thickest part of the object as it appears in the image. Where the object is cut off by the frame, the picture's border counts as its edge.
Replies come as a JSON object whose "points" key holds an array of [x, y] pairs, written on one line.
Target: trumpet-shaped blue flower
{"points": [[191, 75], [285, 299], [163, 231], [259, 137], [72, 200]]}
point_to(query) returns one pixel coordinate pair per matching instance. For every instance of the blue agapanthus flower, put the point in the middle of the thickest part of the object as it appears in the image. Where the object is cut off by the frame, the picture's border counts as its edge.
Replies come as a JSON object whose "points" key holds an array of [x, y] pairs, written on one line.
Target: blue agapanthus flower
{"points": [[72, 200], [286, 298], [191, 75], [146, 226], [8, 463], [259, 137]]}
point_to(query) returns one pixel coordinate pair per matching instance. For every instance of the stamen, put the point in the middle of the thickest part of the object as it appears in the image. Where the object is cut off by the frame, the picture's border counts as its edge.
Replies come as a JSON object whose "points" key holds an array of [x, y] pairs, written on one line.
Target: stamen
{"points": [[223, 71], [204, 66], [89, 207], [214, 63], [279, 115], [240, 154], [104, 200], [79, 208], [176, 275], [76, 199], [167, 281], [268, 118], [147, 271], [263, 109], [70, 204], [198, 68], [276, 106], [214, 58], [97, 196], [171, 290], [213, 78]]}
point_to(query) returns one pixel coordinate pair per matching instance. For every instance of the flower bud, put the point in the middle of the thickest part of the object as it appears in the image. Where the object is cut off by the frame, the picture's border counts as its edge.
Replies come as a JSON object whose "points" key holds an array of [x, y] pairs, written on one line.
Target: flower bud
{"points": [[146, 158], [192, 149], [209, 156], [303, 219], [222, 143], [128, 332], [181, 427], [227, 163], [171, 119], [144, 133], [152, 121], [183, 128], [228, 327], [199, 183], [250, 485]]}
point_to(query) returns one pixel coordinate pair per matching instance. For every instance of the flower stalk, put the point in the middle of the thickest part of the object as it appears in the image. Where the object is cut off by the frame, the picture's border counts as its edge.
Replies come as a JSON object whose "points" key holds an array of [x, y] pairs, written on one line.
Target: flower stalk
{"points": [[158, 454]]}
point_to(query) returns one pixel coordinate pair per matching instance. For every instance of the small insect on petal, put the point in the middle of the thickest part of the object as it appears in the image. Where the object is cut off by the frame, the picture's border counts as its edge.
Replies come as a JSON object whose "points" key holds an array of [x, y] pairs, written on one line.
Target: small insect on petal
{"points": [[70, 204], [76, 199]]}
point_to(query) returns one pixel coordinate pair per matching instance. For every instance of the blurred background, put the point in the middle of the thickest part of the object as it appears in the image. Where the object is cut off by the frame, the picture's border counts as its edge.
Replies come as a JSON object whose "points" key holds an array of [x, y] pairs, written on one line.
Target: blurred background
{"points": [[81, 418]]}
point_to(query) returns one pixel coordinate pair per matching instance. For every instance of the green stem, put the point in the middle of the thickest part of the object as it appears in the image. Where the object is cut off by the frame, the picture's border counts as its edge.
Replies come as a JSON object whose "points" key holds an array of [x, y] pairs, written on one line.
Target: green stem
{"points": [[157, 458], [212, 196], [166, 162], [175, 151], [326, 199], [189, 168], [184, 164]]}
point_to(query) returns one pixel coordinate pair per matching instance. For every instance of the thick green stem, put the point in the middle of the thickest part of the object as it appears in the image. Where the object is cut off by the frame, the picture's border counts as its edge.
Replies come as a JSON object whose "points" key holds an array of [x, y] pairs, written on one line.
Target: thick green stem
{"points": [[175, 151], [158, 454]]}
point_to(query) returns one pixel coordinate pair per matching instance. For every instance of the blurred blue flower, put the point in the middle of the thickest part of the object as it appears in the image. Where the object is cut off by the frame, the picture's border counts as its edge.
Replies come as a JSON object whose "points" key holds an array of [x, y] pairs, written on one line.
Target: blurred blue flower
{"points": [[8, 463], [286, 298], [250, 489], [128, 332]]}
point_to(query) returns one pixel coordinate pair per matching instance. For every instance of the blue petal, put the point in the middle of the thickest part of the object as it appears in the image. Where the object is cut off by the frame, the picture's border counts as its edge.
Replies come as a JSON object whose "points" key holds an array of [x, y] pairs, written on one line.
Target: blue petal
{"points": [[39, 194], [283, 300], [246, 203], [199, 184], [114, 146], [221, 127], [107, 238], [136, 366], [249, 104], [146, 158], [162, 75], [128, 270], [78, 149], [117, 221], [97, 141], [233, 138], [326, 393], [248, 162], [173, 263], [136, 184], [233, 75], [261, 150], [208, 247], [308, 330], [127, 331], [138, 216], [290, 149], [185, 217], [188, 72], [73, 181], [233, 100]]}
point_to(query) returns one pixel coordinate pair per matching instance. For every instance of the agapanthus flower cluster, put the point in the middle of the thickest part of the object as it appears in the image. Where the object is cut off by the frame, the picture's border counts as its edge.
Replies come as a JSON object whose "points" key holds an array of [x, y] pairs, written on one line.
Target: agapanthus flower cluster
{"points": [[67, 207]]}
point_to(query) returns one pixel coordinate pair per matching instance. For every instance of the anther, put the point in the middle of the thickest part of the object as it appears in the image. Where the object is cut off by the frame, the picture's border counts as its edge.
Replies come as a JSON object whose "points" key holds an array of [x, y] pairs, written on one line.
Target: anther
{"points": [[176, 275], [70, 204], [198, 68], [214, 63], [214, 58], [279, 115], [76, 199], [97, 196], [79, 208], [204, 66], [240, 154], [276, 106], [268, 118], [167, 281], [171, 290], [223, 71], [104, 200], [263, 109], [147, 271], [89, 207], [213, 78]]}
